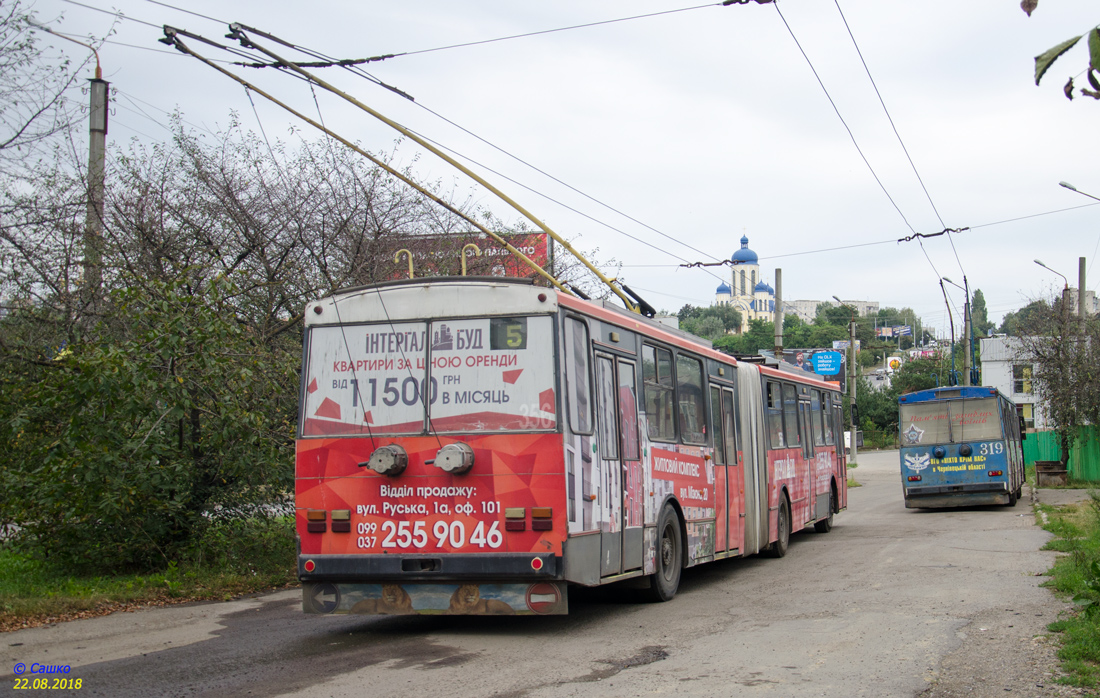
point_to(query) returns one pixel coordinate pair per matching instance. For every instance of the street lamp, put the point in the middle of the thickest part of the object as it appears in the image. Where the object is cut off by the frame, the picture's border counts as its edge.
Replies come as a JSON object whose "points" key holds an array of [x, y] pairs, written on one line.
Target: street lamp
{"points": [[1069, 186], [853, 434], [1055, 271], [969, 364]]}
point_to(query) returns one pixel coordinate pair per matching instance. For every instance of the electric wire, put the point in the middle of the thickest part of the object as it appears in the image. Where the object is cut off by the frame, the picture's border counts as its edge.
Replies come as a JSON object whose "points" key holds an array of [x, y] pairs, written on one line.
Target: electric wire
{"points": [[839, 116], [362, 73]]}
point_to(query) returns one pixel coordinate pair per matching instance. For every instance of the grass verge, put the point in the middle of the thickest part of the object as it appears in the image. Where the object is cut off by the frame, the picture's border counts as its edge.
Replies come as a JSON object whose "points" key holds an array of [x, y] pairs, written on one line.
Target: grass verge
{"points": [[233, 558], [1077, 574]]}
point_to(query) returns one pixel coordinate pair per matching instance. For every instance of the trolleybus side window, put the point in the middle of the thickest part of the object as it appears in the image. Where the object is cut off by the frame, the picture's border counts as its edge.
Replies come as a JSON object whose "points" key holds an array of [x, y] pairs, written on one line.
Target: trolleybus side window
{"points": [[607, 407], [658, 386], [716, 424], [790, 413], [628, 409], [829, 412], [689, 390], [576, 375], [817, 424], [775, 416], [727, 426]]}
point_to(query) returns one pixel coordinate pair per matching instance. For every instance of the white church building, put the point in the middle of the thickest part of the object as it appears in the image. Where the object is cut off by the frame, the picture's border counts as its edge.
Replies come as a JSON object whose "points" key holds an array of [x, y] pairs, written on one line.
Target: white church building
{"points": [[747, 290]]}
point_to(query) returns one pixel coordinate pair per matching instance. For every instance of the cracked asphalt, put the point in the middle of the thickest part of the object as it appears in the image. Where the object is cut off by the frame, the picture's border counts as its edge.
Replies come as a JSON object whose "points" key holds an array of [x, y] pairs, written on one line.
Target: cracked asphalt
{"points": [[892, 602]]}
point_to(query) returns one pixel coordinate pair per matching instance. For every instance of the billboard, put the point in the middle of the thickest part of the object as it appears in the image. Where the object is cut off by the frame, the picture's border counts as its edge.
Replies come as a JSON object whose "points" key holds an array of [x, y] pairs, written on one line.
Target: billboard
{"points": [[441, 255]]}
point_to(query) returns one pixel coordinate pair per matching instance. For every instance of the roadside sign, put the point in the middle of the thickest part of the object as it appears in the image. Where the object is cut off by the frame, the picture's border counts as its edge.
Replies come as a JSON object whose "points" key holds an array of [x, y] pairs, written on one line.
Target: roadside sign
{"points": [[827, 363]]}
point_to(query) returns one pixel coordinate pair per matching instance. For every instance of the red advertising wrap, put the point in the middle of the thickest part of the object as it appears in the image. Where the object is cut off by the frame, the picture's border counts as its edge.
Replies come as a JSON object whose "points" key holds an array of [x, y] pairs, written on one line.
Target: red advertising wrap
{"points": [[431, 511]]}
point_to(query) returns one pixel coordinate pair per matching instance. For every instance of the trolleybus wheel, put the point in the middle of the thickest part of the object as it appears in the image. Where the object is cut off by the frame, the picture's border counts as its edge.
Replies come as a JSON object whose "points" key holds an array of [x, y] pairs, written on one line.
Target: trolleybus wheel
{"points": [[826, 524], [670, 557], [783, 522], [1012, 497]]}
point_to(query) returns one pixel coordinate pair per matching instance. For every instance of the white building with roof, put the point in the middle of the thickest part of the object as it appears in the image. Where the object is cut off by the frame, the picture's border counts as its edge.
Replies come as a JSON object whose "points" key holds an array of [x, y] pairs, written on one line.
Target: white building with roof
{"points": [[1004, 369], [747, 290]]}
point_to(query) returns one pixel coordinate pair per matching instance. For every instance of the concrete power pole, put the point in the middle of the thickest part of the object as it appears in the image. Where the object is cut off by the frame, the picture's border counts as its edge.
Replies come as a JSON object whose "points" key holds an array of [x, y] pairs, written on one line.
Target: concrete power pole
{"points": [[97, 158], [966, 342], [852, 390], [1082, 312], [778, 314]]}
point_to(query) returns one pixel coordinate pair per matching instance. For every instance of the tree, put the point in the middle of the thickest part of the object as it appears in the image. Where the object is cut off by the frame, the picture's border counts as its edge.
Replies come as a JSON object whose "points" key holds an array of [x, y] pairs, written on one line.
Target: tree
{"points": [[33, 87], [1044, 60], [979, 315], [1063, 357], [711, 322], [126, 432], [1013, 321]]}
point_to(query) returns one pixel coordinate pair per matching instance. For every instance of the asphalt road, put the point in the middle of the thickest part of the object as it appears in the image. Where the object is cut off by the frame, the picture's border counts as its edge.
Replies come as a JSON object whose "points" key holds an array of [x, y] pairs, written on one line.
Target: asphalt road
{"points": [[877, 607]]}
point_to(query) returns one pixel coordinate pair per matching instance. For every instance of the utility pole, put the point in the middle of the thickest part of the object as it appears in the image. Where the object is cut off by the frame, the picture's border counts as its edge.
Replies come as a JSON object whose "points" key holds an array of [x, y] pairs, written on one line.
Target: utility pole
{"points": [[853, 440], [97, 158], [1082, 312], [778, 314], [967, 340]]}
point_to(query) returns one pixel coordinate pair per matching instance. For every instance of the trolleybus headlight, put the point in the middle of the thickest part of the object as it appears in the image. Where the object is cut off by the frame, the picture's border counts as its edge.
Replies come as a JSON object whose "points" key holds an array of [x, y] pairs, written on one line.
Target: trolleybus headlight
{"points": [[455, 458], [388, 460], [965, 450], [939, 452]]}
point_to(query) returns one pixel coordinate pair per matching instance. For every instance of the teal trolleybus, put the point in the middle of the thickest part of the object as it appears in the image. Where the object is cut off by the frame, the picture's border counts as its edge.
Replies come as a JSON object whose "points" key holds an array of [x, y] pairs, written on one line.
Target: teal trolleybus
{"points": [[960, 446]]}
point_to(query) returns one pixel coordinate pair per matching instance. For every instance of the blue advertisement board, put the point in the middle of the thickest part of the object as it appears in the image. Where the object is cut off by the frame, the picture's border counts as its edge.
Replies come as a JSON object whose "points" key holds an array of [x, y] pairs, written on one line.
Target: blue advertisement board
{"points": [[827, 363]]}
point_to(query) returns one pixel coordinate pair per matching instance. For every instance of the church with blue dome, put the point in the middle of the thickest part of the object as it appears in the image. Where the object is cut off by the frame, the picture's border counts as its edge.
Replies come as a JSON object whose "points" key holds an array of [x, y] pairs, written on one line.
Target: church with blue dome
{"points": [[747, 290]]}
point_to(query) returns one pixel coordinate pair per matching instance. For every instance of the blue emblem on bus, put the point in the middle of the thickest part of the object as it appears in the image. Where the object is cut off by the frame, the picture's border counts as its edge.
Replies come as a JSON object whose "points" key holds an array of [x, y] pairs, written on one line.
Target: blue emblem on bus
{"points": [[918, 462]]}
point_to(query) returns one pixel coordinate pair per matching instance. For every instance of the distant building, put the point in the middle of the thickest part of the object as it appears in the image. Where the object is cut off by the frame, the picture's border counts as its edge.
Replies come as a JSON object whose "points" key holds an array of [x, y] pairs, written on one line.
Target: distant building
{"points": [[1003, 369]]}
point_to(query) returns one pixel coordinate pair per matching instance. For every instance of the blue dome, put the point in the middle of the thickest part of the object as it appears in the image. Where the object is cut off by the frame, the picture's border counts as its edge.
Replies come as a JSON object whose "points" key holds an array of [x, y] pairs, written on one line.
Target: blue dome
{"points": [[723, 288], [763, 287], [744, 255]]}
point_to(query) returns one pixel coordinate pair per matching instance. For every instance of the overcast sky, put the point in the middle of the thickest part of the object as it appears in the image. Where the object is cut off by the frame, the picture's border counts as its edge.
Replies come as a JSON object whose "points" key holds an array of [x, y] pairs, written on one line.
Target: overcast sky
{"points": [[705, 125]]}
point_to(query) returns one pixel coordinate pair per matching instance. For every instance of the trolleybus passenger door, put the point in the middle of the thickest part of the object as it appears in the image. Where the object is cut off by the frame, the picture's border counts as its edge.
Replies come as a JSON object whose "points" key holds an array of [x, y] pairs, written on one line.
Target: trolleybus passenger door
{"points": [[631, 454], [620, 467], [728, 470]]}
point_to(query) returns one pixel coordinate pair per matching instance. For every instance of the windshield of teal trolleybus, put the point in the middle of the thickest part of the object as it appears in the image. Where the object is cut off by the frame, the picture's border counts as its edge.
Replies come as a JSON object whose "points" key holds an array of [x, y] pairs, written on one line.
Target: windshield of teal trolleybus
{"points": [[480, 374], [949, 421]]}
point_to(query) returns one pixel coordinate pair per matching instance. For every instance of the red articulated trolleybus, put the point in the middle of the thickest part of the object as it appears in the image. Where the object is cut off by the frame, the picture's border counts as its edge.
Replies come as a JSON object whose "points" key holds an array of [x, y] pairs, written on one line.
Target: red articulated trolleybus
{"points": [[473, 445]]}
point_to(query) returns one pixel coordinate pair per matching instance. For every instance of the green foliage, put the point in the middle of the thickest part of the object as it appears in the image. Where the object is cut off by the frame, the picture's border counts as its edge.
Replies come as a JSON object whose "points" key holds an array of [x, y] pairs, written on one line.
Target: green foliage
{"points": [[1077, 574], [123, 451], [979, 315], [232, 557], [710, 322]]}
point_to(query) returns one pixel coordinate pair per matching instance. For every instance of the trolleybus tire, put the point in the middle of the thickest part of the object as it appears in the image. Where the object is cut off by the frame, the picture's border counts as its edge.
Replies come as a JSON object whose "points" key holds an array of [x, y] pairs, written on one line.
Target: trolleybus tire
{"points": [[826, 524], [783, 523], [670, 557], [1012, 497]]}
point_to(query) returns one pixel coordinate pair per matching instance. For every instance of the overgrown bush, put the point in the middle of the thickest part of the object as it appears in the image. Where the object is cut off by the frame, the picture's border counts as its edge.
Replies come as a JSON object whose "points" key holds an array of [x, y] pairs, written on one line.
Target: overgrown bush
{"points": [[120, 452]]}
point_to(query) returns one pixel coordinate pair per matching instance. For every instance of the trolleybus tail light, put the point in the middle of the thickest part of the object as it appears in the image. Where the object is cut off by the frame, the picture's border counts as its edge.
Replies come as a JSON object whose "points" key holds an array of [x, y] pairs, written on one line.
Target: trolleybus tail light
{"points": [[965, 450], [341, 520], [536, 563], [515, 519], [455, 458], [315, 520], [912, 478], [388, 460], [542, 519], [309, 566], [996, 473]]}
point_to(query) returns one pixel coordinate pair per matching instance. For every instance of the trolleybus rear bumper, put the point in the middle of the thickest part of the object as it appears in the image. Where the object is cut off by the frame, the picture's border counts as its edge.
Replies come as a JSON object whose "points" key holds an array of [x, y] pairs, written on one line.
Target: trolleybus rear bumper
{"points": [[963, 495]]}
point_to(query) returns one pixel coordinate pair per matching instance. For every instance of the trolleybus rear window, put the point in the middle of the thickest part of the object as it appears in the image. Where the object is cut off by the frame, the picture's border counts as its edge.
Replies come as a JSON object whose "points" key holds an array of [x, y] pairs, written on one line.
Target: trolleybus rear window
{"points": [[952, 421], [482, 374]]}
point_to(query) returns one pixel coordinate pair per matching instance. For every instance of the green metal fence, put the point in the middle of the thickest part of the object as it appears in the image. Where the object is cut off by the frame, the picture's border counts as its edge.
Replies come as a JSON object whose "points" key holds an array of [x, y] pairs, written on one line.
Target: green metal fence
{"points": [[1084, 457]]}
